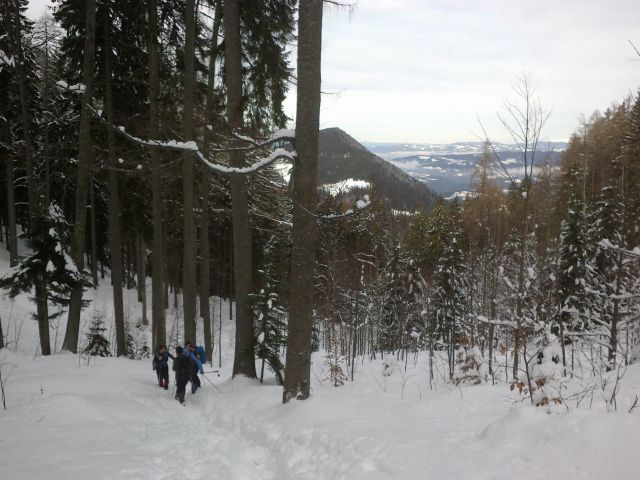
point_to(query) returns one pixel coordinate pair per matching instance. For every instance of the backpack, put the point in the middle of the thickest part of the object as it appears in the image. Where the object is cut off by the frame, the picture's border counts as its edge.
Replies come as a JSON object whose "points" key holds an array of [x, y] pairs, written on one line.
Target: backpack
{"points": [[201, 354]]}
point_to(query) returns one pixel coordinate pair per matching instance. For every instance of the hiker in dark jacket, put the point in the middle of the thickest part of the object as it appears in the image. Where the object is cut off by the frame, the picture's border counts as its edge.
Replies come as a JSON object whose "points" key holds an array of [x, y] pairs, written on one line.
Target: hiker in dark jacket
{"points": [[183, 366], [197, 366], [161, 366]]}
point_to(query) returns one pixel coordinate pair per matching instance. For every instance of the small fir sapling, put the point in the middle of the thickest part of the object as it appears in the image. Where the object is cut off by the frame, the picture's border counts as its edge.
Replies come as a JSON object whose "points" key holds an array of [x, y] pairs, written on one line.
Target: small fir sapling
{"points": [[97, 343], [271, 330]]}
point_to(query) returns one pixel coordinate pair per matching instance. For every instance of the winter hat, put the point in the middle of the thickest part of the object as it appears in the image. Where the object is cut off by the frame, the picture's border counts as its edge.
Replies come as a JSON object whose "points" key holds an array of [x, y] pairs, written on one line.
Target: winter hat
{"points": [[179, 350]]}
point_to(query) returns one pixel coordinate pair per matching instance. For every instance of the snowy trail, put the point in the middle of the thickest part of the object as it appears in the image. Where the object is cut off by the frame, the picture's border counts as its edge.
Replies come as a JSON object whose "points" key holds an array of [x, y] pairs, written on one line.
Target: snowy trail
{"points": [[109, 420]]}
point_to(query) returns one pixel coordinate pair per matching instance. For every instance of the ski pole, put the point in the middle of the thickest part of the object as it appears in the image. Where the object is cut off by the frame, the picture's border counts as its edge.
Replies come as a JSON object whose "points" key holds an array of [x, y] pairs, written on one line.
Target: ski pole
{"points": [[214, 385]]}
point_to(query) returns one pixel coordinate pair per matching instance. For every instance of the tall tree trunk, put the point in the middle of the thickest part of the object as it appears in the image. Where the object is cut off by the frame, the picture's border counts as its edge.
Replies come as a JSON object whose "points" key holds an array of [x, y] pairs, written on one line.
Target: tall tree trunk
{"points": [[157, 249], [42, 311], [244, 358], [142, 279], [115, 234], [94, 239], [12, 236], [612, 352], [45, 127], [24, 113], [205, 287], [205, 310], [298, 364], [189, 227], [7, 160], [41, 294], [84, 159]]}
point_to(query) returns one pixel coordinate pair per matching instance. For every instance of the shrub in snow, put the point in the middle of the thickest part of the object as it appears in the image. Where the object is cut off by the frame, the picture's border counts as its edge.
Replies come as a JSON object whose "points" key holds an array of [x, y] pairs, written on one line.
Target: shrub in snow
{"points": [[333, 359], [388, 366], [470, 367], [336, 374], [136, 342], [544, 369]]}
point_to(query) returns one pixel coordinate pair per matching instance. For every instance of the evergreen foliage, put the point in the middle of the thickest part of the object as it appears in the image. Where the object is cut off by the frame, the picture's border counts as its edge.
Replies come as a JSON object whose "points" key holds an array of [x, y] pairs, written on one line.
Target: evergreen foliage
{"points": [[271, 329]]}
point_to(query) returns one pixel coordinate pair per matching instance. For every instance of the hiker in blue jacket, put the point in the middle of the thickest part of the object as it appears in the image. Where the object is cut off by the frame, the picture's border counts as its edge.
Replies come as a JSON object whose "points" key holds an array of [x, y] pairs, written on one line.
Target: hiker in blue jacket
{"points": [[197, 366], [161, 366]]}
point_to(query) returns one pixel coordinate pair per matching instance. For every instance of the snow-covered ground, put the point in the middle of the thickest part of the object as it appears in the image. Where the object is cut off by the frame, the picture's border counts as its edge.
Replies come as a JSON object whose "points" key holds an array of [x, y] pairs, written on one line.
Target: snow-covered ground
{"points": [[72, 417]]}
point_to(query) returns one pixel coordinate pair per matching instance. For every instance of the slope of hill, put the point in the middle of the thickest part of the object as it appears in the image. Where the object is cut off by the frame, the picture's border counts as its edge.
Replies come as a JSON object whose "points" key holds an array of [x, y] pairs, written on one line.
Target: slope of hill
{"points": [[73, 417], [341, 157]]}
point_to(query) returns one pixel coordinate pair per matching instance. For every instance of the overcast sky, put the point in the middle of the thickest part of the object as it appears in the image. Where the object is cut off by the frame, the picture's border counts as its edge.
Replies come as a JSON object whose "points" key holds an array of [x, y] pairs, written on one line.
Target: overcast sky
{"points": [[424, 70]]}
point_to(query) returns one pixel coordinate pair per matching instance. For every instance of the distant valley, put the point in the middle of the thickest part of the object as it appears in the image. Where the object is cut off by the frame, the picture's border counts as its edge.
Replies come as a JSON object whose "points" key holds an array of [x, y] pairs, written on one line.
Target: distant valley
{"points": [[448, 168]]}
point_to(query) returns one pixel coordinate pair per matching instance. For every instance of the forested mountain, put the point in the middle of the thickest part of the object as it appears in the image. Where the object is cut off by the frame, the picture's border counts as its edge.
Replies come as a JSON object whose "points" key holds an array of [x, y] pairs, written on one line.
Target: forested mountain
{"points": [[341, 157]]}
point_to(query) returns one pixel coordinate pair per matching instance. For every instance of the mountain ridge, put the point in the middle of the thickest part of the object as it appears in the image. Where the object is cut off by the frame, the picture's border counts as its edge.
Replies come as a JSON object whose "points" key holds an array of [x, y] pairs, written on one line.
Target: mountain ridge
{"points": [[341, 157]]}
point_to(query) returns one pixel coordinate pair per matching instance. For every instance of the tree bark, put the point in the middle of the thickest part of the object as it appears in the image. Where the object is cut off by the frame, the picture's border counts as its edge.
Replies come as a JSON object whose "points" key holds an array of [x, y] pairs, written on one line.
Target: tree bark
{"points": [[205, 287], [157, 249], [189, 227], [12, 237], [115, 234], [205, 310], [24, 113], [78, 241], [244, 358], [7, 160], [94, 240], [298, 362], [42, 311], [612, 352], [142, 279]]}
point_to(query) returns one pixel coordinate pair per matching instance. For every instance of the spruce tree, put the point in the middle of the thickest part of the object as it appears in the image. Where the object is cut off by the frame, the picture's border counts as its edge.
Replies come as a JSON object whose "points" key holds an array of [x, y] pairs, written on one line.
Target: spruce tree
{"points": [[49, 265], [271, 330]]}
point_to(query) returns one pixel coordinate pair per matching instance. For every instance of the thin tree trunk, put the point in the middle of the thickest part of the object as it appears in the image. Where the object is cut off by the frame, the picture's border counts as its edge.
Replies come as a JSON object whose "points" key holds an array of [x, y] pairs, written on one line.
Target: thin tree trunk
{"points": [[41, 294], [158, 295], [142, 278], [78, 241], [189, 227], [298, 362], [94, 240], [42, 309], [205, 310], [244, 358], [205, 287], [24, 113], [615, 320], [115, 234], [12, 237], [45, 128]]}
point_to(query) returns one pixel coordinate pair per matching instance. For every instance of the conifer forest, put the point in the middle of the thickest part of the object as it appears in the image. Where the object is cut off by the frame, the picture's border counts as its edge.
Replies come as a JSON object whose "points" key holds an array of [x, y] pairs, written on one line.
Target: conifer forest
{"points": [[162, 173]]}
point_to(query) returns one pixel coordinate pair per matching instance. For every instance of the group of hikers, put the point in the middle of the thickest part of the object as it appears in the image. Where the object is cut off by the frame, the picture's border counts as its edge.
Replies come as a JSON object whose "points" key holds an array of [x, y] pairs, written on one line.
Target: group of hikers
{"points": [[186, 364]]}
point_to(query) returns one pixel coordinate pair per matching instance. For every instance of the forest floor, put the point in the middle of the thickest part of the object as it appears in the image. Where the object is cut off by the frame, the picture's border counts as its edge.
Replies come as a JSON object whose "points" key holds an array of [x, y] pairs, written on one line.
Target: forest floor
{"points": [[72, 417]]}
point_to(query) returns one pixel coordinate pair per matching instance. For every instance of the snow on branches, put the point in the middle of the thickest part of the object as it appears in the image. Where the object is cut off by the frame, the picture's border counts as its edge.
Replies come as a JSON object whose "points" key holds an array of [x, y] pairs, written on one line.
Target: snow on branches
{"points": [[259, 163]]}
